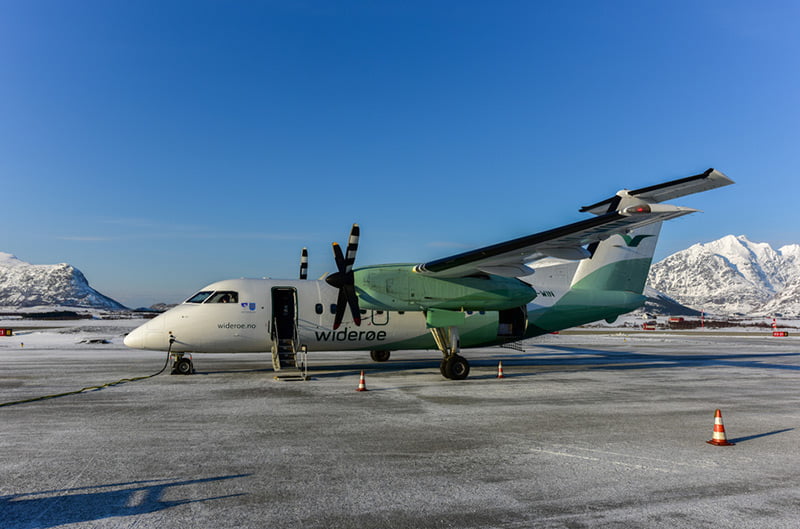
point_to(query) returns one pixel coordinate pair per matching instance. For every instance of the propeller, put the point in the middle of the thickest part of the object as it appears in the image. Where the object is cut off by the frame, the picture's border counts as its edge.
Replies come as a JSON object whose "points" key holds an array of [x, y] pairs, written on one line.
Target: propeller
{"points": [[304, 264], [344, 280]]}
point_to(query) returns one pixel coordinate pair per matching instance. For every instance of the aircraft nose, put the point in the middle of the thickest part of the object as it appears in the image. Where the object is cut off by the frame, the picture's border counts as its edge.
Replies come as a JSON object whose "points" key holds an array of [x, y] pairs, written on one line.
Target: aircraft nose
{"points": [[135, 339]]}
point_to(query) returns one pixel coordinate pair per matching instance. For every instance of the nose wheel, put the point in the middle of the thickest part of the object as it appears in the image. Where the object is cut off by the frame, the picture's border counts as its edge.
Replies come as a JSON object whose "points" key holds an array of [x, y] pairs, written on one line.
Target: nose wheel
{"points": [[182, 365]]}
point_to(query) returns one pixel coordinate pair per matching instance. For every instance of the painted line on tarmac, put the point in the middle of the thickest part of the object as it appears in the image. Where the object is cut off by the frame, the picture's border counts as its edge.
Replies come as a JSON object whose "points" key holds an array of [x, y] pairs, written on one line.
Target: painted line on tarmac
{"points": [[601, 460]]}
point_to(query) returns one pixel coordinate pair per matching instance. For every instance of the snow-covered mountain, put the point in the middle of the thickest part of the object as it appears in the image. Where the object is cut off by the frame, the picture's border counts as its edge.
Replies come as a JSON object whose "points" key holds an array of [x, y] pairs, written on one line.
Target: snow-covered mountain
{"points": [[660, 303], [732, 275], [27, 285]]}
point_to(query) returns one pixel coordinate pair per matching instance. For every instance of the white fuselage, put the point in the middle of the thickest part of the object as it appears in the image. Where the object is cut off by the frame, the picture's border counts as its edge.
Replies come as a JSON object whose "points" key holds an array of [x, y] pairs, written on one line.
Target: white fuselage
{"points": [[248, 323]]}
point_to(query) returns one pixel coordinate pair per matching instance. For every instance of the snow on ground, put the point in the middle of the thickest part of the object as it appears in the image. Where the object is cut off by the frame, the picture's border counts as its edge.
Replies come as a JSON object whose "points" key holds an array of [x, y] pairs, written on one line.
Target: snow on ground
{"points": [[586, 430]]}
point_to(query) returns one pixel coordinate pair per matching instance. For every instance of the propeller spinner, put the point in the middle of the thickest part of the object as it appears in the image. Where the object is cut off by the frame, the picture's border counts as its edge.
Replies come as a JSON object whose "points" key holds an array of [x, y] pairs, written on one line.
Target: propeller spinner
{"points": [[343, 279]]}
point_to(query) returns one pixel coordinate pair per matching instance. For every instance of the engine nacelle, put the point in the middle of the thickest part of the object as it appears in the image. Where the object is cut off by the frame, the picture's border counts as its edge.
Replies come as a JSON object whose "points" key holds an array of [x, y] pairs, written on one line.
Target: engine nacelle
{"points": [[398, 287]]}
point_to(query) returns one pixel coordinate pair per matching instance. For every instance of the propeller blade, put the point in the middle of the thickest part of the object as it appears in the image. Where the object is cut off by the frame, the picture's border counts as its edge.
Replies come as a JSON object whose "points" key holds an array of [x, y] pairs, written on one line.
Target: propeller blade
{"points": [[337, 255], [352, 300], [352, 247], [344, 279], [341, 303], [304, 264]]}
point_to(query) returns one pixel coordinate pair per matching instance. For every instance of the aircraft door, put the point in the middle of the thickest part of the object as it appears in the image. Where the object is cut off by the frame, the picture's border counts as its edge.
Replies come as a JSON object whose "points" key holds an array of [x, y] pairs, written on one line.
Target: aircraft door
{"points": [[512, 323], [284, 312]]}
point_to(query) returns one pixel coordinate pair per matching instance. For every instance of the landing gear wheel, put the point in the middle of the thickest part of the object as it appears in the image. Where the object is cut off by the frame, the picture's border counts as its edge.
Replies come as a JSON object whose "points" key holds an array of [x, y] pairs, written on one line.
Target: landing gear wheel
{"points": [[456, 367], [380, 356], [443, 368], [183, 367]]}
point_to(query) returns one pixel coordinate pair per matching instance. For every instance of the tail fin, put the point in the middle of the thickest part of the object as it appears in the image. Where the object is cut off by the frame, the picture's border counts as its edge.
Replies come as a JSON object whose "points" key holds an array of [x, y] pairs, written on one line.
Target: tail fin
{"points": [[621, 262]]}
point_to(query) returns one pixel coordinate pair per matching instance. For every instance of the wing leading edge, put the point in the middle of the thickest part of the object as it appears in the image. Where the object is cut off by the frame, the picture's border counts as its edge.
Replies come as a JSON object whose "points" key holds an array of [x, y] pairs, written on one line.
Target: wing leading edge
{"points": [[568, 242]]}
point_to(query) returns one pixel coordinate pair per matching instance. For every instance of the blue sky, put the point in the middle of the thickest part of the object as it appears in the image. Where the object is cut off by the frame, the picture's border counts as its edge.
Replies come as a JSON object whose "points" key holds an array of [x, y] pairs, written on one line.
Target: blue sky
{"points": [[160, 146]]}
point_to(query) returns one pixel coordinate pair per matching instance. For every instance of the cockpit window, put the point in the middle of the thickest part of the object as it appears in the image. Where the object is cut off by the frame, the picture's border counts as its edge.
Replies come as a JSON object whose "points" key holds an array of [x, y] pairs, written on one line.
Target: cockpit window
{"points": [[199, 297], [224, 296]]}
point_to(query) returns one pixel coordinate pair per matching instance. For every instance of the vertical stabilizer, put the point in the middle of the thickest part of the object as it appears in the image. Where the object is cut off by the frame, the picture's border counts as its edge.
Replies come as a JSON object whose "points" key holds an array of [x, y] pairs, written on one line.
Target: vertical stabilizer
{"points": [[610, 282], [620, 262]]}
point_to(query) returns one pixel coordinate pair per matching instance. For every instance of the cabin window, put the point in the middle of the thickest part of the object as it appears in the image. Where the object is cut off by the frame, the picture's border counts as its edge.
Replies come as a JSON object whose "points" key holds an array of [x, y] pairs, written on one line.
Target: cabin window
{"points": [[200, 297], [333, 308], [224, 296], [318, 308]]}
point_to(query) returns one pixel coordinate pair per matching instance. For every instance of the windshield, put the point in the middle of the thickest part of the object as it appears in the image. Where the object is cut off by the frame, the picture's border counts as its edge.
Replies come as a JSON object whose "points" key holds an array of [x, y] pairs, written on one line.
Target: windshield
{"points": [[209, 296], [224, 296], [199, 297]]}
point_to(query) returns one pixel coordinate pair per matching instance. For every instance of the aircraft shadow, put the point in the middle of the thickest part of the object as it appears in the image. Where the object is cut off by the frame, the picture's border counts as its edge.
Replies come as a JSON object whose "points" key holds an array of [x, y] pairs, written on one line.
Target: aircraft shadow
{"points": [[555, 357], [349, 370], [570, 357], [200, 371], [51, 508]]}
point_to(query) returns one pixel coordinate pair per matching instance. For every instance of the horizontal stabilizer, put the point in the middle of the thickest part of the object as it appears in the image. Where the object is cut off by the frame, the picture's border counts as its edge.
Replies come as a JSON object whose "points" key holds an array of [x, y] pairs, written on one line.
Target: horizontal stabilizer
{"points": [[710, 179]]}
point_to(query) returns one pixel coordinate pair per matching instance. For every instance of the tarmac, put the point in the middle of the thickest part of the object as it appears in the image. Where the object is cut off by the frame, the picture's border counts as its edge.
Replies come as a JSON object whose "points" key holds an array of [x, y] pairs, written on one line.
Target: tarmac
{"points": [[603, 430]]}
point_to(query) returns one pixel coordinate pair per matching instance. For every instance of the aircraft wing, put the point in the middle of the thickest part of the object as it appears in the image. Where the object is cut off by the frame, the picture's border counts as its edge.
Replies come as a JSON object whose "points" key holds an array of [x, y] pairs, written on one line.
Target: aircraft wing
{"points": [[566, 242], [569, 242]]}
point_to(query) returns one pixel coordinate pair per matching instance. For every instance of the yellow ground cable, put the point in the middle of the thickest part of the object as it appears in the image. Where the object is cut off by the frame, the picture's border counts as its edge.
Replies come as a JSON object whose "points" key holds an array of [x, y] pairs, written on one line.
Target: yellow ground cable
{"points": [[91, 388]]}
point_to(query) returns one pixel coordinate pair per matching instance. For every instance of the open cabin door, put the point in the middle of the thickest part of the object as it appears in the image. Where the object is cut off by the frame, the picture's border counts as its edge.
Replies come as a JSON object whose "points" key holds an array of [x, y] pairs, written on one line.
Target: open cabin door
{"points": [[511, 323], [284, 328]]}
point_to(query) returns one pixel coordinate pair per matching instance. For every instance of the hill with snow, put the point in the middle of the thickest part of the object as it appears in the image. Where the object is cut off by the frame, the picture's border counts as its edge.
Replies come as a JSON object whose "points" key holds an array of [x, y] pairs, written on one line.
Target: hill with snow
{"points": [[27, 285], [732, 276]]}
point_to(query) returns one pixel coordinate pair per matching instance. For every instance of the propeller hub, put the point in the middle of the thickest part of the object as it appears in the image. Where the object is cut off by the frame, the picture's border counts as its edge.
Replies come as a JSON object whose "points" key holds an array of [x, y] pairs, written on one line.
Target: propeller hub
{"points": [[336, 279]]}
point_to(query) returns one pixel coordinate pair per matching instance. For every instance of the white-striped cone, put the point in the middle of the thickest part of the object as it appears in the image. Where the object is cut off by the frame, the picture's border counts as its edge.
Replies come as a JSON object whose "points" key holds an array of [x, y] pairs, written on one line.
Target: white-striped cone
{"points": [[362, 384], [500, 370], [718, 438]]}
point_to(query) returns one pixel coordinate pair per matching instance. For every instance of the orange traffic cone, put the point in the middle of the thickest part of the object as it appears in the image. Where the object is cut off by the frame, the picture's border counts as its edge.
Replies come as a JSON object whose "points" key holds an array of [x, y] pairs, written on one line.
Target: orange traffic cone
{"points": [[719, 438], [500, 370], [362, 384]]}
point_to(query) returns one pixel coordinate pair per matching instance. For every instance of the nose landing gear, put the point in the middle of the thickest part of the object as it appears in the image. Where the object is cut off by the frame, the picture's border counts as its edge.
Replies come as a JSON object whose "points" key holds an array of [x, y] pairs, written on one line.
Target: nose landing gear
{"points": [[182, 365]]}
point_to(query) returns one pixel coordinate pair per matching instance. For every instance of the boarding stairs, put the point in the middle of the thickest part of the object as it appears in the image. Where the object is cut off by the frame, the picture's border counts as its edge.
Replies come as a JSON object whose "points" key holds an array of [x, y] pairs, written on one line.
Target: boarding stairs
{"points": [[288, 359]]}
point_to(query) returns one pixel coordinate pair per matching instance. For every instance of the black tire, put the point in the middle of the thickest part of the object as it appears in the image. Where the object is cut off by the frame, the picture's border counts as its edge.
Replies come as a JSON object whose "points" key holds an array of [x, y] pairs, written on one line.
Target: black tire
{"points": [[443, 368], [456, 368], [380, 356], [184, 367]]}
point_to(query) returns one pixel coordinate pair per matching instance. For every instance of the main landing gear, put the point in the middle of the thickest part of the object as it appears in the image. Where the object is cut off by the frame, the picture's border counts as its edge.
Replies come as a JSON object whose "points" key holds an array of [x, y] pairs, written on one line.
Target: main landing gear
{"points": [[380, 356], [453, 366]]}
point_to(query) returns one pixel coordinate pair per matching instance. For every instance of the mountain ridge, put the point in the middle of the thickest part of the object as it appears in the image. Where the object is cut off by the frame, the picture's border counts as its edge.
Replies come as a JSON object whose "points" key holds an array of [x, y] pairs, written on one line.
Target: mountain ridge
{"points": [[24, 285], [732, 276]]}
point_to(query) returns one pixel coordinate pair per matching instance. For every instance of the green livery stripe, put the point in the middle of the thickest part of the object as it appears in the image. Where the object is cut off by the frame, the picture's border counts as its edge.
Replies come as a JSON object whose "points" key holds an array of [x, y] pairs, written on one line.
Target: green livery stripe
{"points": [[578, 307], [629, 275]]}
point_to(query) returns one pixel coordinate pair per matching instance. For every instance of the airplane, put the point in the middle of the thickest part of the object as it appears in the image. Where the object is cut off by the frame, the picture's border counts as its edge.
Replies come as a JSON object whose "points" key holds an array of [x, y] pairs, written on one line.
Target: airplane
{"points": [[590, 270]]}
